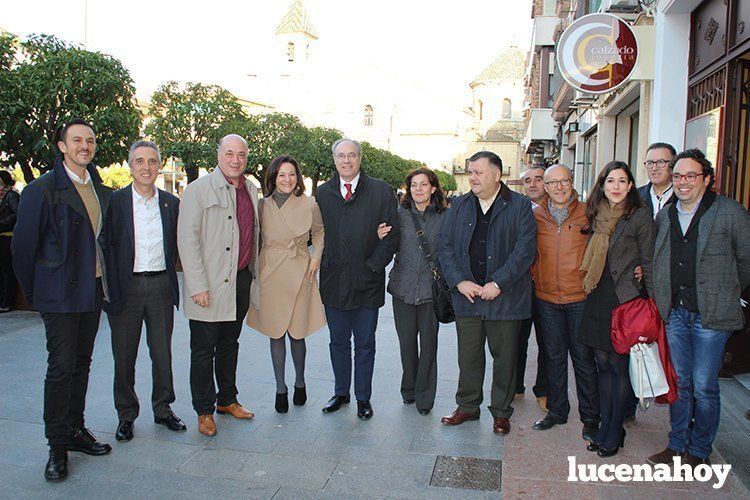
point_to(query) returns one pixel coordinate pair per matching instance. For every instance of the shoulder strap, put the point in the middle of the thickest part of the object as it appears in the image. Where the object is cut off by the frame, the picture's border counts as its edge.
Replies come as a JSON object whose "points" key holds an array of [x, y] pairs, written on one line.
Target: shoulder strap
{"points": [[424, 246]]}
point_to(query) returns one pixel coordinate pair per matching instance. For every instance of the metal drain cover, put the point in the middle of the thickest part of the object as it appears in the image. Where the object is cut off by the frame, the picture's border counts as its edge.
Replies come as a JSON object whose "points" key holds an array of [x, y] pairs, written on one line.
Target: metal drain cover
{"points": [[467, 472]]}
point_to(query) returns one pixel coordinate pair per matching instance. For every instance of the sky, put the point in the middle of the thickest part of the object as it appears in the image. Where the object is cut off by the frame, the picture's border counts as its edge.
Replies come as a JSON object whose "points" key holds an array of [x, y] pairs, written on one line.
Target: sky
{"points": [[431, 45]]}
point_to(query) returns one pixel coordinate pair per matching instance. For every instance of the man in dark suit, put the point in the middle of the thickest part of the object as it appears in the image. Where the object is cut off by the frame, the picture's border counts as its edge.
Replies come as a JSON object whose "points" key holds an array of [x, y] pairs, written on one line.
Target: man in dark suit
{"points": [[658, 192], [57, 256], [352, 274], [141, 230]]}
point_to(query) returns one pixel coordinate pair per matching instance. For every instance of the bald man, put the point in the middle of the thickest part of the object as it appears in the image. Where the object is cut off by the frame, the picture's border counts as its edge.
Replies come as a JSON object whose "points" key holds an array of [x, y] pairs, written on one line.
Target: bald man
{"points": [[217, 236]]}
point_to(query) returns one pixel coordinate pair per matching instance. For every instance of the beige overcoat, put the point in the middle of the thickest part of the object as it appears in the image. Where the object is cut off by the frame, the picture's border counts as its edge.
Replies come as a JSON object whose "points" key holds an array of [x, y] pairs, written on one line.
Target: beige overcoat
{"points": [[208, 240], [288, 301]]}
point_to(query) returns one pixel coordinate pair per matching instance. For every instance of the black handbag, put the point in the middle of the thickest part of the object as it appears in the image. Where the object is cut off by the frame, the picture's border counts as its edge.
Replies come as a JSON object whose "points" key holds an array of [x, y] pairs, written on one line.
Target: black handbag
{"points": [[441, 292]]}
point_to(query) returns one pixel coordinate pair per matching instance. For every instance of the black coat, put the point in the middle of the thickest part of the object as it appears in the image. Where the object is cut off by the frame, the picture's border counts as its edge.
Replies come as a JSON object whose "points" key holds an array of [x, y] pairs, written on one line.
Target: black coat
{"points": [[8, 211], [352, 273], [645, 192], [54, 252], [120, 248]]}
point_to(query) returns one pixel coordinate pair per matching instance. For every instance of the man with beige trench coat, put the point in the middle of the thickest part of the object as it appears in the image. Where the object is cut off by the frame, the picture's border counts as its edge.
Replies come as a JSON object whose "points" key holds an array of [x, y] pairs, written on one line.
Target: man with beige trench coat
{"points": [[217, 237]]}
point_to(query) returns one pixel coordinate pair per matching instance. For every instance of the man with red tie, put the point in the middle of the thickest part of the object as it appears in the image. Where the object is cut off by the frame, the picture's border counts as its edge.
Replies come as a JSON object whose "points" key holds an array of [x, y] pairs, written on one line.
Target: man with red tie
{"points": [[352, 273]]}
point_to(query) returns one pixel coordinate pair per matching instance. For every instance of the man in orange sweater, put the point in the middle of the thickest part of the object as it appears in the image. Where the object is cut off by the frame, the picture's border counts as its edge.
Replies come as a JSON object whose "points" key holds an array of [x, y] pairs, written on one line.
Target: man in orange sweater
{"points": [[561, 243]]}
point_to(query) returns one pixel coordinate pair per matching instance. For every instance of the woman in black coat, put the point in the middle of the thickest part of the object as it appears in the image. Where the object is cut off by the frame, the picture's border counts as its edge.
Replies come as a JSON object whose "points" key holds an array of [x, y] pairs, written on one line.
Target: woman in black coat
{"points": [[8, 209], [622, 239]]}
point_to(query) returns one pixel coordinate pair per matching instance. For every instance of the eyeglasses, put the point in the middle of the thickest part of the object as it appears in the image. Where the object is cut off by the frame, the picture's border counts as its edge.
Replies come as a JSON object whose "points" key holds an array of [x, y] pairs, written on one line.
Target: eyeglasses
{"points": [[342, 156], [559, 182], [655, 165], [690, 177]]}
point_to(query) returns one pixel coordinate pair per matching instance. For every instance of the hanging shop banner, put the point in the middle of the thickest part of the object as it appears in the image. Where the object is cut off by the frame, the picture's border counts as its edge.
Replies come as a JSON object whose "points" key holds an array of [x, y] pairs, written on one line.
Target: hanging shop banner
{"points": [[597, 53]]}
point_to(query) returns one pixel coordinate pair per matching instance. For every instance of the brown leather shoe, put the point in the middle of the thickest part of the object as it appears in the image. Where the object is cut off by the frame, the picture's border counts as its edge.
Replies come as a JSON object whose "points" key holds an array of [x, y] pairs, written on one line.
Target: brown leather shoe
{"points": [[501, 426], [664, 457], [542, 400], [206, 425], [236, 410], [458, 417]]}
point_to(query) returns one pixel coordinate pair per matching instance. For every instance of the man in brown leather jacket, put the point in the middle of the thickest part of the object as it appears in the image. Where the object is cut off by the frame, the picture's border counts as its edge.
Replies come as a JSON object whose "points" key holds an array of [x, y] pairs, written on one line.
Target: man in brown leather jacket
{"points": [[561, 243]]}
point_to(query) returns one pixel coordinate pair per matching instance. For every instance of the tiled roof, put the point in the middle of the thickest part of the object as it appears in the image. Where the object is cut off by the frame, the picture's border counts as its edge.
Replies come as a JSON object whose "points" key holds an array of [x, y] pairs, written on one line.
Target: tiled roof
{"points": [[509, 65], [296, 20]]}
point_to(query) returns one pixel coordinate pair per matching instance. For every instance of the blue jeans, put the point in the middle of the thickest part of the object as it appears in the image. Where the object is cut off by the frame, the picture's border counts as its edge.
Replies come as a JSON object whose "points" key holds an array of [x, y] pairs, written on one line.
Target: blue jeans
{"points": [[361, 323], [560, 323], [697, 354]]}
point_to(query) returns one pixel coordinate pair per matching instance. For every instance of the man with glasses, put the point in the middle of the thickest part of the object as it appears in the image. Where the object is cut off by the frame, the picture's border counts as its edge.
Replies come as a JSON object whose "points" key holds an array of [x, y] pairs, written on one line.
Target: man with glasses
{"points": [[701, 266], [561, 244], [533, 188], [658, 192], [352, 272]]}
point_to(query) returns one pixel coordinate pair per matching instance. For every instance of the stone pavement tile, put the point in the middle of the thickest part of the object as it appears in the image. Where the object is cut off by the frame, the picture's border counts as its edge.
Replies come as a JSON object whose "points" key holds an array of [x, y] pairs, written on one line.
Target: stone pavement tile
{"points": [[377, 456], [264, 469], [289, 431], [156, 484], [238, 436], [367, 440], [323, 450], [160, 455], [441, 447], [291, 493], [380, 480], [215, 462]]}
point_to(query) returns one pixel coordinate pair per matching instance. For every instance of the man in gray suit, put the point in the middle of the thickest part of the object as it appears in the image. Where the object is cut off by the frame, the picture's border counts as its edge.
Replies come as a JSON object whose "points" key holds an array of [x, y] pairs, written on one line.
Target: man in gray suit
{"points": [[701, 265]]}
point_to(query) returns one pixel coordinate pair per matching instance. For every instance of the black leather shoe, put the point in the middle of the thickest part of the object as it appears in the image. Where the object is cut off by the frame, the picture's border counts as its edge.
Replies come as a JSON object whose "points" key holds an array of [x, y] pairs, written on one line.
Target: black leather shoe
{"points": [[300, 396], [408, 401], [589, 430], [593, 446], [364, 410], [335, 403], [171, 422], [548, 422], [282, 402], [84, 441], [423, 411], [57, 465], [124, 431]]}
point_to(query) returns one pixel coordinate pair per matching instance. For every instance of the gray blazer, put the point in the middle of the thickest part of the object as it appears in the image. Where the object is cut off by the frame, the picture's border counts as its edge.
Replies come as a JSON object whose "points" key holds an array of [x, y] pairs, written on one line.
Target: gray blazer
{"points": [[723, 267], [411, 278], [632, 245]]}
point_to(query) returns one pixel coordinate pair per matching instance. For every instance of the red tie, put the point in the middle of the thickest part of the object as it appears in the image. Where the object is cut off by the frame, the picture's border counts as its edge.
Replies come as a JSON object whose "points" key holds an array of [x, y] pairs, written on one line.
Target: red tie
{"points": [[348, 194]]}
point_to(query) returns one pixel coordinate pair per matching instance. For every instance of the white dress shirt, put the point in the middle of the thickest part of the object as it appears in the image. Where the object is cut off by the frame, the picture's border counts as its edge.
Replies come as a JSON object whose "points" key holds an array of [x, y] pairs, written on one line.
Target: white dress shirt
{"points": [[149, 237], [486, 204], [658, 202], [353, 182]]}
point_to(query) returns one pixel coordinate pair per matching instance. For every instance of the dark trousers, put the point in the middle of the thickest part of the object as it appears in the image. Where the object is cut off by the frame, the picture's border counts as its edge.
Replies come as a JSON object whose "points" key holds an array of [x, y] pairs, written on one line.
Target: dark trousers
{"points": [[70, 343], [502, 339], [147, 299], [214, 347], [7, 277], [360, 323], [418, 359], [540, 385], [560, 324], [614, 396]]}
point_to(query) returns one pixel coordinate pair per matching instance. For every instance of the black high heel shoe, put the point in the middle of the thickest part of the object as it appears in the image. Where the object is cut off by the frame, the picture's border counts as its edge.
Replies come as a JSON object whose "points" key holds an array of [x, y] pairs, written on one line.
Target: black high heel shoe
{"points": [[604, 452], [300, 396], [282, 402]]}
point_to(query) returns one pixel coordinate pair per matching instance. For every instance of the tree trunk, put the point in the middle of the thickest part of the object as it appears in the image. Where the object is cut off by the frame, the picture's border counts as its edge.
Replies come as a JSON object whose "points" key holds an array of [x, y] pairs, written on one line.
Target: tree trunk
{"points": [[315, 180], [28, 175], [192, 173]]}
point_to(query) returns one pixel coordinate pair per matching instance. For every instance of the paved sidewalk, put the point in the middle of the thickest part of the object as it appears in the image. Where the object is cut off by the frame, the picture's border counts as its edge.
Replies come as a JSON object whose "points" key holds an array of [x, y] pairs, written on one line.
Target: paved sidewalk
{"points": [[305, 453]]}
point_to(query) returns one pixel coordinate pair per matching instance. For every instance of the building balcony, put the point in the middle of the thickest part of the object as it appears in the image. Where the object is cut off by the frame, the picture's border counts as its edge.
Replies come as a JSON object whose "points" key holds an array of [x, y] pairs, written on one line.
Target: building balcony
{"points": [[544, 31], [541, 127]]}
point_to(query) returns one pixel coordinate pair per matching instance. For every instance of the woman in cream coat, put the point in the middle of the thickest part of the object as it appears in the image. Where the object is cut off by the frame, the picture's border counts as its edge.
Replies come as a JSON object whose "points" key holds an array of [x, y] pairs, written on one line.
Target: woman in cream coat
{"points": [[289, 296]]}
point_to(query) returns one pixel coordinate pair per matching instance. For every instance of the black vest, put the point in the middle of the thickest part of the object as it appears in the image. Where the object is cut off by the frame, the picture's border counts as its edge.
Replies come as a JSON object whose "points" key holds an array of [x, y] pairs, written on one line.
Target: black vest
{"points": [[478, 245], [684, 254]]}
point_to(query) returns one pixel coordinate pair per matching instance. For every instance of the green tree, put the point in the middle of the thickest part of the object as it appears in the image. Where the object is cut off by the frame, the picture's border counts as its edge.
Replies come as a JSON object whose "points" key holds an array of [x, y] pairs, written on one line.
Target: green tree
{"points": [[45, 82], [386, 166], [315, 154], [189, 119], [447, 181], [116, 176]]}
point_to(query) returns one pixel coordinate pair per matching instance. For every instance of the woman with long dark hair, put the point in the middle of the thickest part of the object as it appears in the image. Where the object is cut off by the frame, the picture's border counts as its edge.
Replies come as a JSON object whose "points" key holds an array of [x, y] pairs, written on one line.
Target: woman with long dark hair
{"points": [[289, 301], [9, 200], [410, 283], [622, 238]]}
